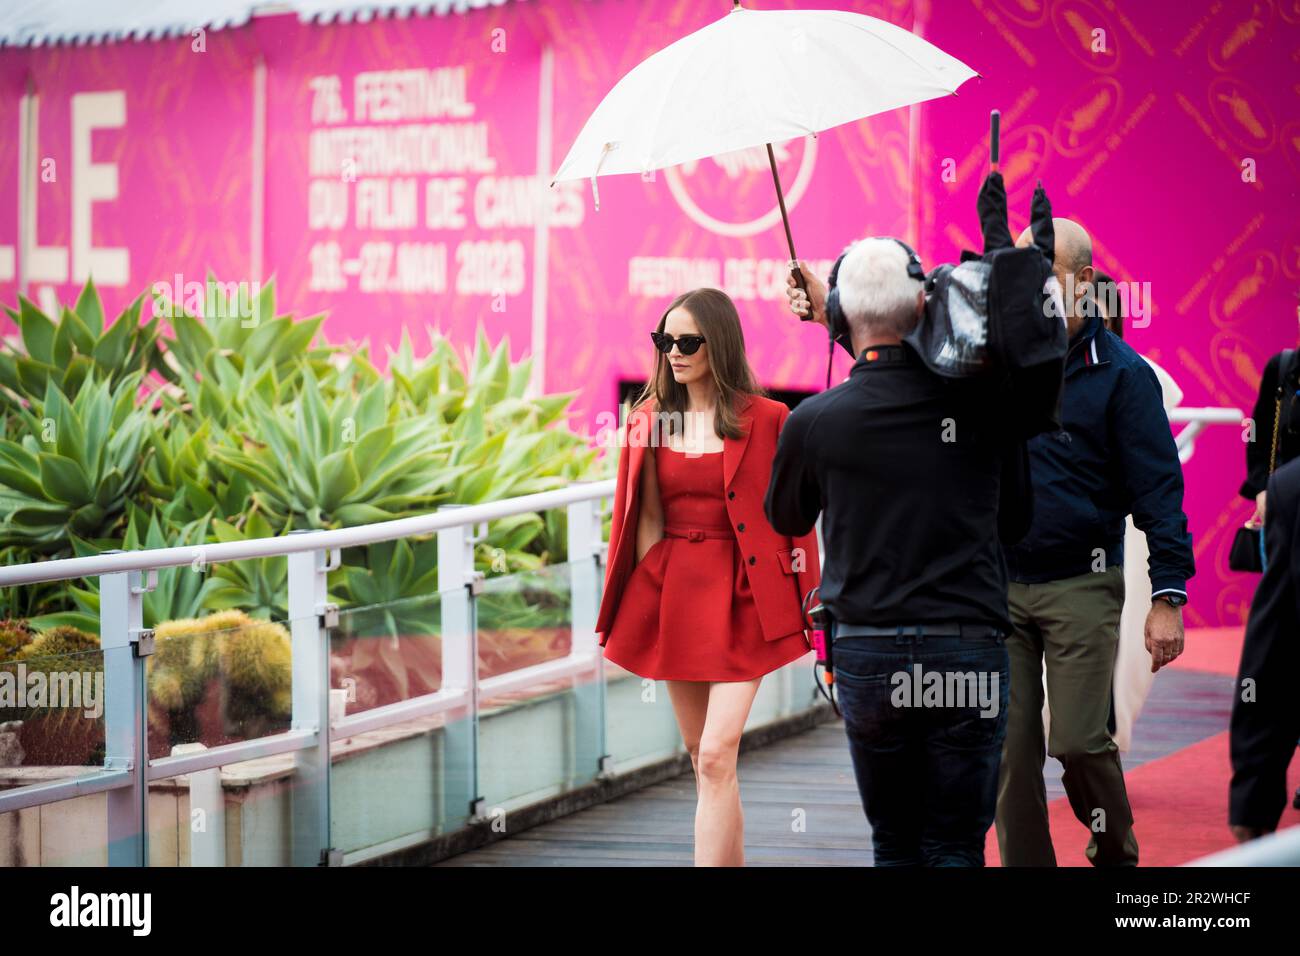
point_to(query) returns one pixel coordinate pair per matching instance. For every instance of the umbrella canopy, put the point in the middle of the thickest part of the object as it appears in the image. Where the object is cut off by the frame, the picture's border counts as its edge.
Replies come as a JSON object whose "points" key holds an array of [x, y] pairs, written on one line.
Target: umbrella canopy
{"points": [[756, 77]]}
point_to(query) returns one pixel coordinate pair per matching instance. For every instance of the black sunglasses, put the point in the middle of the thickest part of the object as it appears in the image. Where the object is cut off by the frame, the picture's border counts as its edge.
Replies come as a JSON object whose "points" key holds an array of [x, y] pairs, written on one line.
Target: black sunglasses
{"points": [[689, 344]]}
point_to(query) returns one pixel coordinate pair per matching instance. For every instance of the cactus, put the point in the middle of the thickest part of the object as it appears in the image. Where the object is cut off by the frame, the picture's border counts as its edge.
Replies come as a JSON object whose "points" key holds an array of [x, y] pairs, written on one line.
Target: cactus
{"points": [[184, 661], [14, 636], [250, 660], [257, 663], [55, 734], [60, 648]]}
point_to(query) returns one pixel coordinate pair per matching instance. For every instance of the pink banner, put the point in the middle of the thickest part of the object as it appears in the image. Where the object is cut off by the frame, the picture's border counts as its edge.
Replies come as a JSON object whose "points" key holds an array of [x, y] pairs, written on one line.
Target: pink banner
{"points": [[393, 172], [1169, 131]]}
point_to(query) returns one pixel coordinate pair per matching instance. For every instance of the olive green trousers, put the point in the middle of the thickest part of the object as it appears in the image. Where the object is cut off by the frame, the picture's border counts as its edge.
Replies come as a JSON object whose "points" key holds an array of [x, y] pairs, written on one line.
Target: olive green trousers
{"points": [[1071, 626]]}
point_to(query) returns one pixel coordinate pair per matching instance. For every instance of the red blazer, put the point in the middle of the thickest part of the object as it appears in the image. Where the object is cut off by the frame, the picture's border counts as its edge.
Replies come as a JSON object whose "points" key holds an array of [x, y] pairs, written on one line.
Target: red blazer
{"points": [[778, 577]]}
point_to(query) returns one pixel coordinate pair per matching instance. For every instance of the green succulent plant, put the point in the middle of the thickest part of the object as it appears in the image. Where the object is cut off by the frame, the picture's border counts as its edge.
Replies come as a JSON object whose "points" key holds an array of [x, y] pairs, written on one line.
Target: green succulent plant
{"points": [[76, 465], [219, 428], [75, 348], [259, 586], [221, 360], [181, 591], [182, 481], [340, 460]]}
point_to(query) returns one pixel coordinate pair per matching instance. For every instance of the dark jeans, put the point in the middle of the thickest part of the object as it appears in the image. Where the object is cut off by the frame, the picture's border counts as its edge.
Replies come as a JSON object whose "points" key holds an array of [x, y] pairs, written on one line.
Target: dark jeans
{"points": [[925, 755]]}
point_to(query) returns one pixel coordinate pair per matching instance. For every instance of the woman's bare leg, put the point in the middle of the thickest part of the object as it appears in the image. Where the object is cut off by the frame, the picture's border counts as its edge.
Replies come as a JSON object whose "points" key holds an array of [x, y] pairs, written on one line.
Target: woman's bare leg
{"points": [[719, 819], [690, 704]]}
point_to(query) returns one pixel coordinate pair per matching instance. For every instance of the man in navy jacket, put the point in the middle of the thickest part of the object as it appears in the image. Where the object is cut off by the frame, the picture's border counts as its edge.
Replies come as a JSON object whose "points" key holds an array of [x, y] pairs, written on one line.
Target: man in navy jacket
{"points": [[1114, 456]]}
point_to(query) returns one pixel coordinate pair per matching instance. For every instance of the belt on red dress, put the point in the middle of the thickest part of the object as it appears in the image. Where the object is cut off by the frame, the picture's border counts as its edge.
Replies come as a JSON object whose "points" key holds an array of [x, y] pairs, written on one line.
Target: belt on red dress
{"points": [[697, 534]]}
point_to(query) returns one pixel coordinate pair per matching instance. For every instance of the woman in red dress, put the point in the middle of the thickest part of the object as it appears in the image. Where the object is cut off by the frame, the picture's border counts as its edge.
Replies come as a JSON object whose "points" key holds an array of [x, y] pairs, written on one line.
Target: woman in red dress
{"points": [[700, 591]]}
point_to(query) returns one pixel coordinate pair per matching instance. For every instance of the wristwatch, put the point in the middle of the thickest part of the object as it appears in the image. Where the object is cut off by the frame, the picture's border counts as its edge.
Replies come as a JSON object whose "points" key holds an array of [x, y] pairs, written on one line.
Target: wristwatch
{"points": [[1172, 598]]}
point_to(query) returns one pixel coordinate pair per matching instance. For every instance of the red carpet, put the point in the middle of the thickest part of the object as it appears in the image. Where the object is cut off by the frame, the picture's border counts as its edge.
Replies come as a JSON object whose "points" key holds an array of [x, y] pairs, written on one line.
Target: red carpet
{"points": [[1180, 809], [1215, 650], [1180, 802]]}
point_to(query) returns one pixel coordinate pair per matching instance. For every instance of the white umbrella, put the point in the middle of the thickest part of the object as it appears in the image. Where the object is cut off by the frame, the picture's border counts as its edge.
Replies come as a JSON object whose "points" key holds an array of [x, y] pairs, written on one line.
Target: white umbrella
{"points": [[755, 77]]}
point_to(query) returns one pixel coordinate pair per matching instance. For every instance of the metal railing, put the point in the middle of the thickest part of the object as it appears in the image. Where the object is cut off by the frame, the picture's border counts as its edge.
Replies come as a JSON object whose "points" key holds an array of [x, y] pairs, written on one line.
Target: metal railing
{"points": [[1196, 419], [125, 577], [1276, 849]]}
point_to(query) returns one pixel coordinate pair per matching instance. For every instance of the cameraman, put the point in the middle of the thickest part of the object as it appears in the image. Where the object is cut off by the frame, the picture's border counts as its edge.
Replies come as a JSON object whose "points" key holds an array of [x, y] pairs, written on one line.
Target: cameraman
{"points": [[906, 466]]}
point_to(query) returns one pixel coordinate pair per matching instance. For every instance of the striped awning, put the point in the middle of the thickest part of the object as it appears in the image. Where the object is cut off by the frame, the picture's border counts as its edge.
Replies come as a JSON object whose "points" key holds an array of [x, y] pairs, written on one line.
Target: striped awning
{"points": [[49, 22], [345, 11]]}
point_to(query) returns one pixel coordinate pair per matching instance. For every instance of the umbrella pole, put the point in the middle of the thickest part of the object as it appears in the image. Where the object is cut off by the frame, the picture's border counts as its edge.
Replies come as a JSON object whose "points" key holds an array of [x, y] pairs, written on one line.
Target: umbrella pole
{"points": [[785, 218], [785, 221], [794, 268]]}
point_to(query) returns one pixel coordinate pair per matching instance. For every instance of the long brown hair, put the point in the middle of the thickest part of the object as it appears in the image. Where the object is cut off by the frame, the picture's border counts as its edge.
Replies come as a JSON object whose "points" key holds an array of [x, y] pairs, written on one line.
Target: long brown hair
{"points": [[719, 322]]}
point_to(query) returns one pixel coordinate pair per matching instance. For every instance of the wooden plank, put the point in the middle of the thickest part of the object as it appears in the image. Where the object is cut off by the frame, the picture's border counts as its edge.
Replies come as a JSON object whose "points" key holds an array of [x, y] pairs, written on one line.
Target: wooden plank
{"points": [[813, 772]]}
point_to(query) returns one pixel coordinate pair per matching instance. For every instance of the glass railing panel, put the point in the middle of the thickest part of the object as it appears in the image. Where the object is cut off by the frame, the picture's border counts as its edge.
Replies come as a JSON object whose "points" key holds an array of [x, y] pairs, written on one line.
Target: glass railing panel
{"points": [[403, 783], [540, 736], [52, 703]]}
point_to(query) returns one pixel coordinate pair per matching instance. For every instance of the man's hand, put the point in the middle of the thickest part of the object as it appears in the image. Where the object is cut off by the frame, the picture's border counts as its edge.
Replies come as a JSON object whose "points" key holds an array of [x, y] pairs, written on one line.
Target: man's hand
{"points": [[799, 302], [1164, 633]]}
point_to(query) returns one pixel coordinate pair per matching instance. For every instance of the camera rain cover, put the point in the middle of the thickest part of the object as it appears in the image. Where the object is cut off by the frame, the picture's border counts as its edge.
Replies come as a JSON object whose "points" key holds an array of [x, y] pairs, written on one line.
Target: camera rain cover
{"points": [[952, 337]]}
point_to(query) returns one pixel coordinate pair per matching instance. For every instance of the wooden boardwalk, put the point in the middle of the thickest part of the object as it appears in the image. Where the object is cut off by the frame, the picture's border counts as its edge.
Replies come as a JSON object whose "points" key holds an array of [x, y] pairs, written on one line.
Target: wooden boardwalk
{"points": [[808, 779]]}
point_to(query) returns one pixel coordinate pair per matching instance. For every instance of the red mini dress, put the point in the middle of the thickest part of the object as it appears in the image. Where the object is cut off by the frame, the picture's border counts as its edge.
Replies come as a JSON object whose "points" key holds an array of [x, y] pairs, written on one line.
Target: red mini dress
{"points": [[687, 612]]}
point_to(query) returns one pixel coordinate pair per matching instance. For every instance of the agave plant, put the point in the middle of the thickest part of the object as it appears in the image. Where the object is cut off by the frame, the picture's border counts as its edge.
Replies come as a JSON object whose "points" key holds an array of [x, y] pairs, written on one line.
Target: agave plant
{"points": [[181, 592], [436, 382], [508, 438], [76, 466], [183, 482], [337, 461], [223, 362], [229, 426], [21, 603], [393, 571], [76, 348], [259, 586], [239, 349]]}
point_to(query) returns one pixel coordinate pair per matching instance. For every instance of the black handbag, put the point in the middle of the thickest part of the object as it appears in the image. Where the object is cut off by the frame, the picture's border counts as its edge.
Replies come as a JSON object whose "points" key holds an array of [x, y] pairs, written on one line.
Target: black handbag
{"points": [[1247, 552]]}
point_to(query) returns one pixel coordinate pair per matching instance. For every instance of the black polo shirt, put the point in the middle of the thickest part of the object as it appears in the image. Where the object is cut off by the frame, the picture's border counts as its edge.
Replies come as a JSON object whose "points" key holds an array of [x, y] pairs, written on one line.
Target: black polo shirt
{"points": [[907, 467]]}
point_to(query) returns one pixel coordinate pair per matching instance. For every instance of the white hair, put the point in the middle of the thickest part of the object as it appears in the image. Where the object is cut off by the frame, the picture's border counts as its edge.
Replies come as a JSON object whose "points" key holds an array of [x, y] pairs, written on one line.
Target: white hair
{"points": [[876, 293]]}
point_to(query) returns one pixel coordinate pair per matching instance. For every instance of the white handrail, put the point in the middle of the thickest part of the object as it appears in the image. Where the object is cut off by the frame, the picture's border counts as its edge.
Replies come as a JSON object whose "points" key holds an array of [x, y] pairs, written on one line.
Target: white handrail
{"points": [[1196, 419], [123, 639], [63, 569], [1210, 416], [1276, 849]]}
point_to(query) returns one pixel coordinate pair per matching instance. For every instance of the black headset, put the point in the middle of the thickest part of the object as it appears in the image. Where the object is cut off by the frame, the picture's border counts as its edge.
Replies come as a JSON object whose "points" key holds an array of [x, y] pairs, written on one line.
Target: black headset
{"points": [[835, 318]]}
